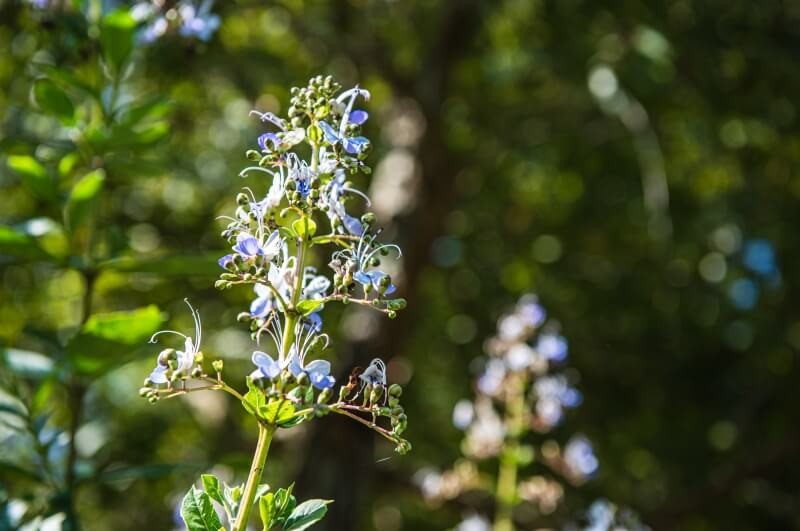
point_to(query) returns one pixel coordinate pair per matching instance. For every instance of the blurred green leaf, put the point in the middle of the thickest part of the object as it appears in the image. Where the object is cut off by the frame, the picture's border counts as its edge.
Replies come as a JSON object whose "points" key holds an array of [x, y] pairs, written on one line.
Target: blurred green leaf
{"points": [[26, 363], [117, 37], [166, 265], [266, 509], [306, 514], [154, 108], [33, 176], [81, 202], [54, 101], [107, 338], [66, 79], [19, 244], [127, 473], [198, 512]]}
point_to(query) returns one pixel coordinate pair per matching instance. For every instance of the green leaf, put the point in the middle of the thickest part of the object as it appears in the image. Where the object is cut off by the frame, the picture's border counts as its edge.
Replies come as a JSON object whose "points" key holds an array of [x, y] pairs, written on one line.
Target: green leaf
{"points": [[117, 37], [308, 306], [211, 486], [304, 228], [284, 504], [66, 79], [81, 203], [266, 509], [198, 512], [277, 411], [34, 177], [202, 265], [306, 514], [52, 100], [151, 109], [26, 363], [19, 244], [254, 399], [107, 338]]}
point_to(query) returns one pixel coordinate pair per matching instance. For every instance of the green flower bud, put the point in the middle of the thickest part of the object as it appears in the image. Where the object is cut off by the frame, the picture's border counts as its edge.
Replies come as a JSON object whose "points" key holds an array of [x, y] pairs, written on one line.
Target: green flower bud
{"points": [[199, 357], [376, 394], [253, 155], [302, 379], [342, 393], [397, 411], [145, 391], [395, 390], [324, 396], [393, 402], [217, 365], [243, 317], [197, 372], [391, 314], [368, 219], [242, 199]]}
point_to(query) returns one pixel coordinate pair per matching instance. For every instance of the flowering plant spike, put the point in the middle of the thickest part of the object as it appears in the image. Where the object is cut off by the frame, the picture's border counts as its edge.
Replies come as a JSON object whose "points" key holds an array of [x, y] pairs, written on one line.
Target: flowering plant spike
{"points": [[272, 239], [519, 393]]}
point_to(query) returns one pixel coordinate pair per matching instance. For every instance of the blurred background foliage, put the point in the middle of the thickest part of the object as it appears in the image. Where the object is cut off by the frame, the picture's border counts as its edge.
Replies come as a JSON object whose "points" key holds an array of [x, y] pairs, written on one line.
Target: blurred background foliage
{"points": [[632, 163]]}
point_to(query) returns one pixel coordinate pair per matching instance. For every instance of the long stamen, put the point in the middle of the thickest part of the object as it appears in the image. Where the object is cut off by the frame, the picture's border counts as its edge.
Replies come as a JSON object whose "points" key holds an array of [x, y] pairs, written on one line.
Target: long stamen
{"points": [[153, 337]]}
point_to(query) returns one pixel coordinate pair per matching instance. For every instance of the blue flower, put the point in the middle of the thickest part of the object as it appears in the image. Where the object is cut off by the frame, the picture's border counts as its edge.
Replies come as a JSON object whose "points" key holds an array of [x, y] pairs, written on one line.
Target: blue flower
{"points": [[318, 371], [552, 347], [248, 246], [354, 145], [198, 22], [266, 366], [374, 279], [225, 260], [375, 374], [358, 117], [579, 456]]}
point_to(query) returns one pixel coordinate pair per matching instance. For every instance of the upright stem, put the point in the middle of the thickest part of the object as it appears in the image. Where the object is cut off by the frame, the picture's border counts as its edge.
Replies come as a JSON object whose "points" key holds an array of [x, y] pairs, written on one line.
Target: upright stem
{"points": [[507, 476], [265, 433]]}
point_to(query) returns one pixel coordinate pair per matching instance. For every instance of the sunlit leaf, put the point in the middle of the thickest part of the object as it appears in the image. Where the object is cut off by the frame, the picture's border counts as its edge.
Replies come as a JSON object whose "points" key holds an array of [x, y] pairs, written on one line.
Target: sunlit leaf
{"points": [[166, 265], [117, 37], [107, 338], [83, 198], [308, 306], [198, 512], [306, 514], [304, 228], [34, 176], [21, 245]]}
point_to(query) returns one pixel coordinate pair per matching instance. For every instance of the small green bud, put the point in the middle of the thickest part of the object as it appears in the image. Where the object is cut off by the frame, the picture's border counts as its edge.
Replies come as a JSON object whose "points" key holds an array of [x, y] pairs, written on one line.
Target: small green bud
{"points": [[153, 399], [393, 401], [368, 218], [242, 199], [253, 155], [197, 372], [302, 379], [217, 365], [376, 394], [243, 317], [221, 284], [391, 314], [324, 396], [199, 357], [397, 411], [145, 391], [342, 393], [395, 390]]}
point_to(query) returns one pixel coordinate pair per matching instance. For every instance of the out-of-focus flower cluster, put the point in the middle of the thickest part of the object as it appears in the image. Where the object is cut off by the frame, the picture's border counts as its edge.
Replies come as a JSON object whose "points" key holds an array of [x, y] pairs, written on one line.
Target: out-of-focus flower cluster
{"points": [[521, 395], [605, 516], [187, 18]]}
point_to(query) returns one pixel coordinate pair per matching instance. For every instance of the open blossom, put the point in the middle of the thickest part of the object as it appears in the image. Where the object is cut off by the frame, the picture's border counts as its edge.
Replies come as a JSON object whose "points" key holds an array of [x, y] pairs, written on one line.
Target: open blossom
{"points": [[184, 359]]}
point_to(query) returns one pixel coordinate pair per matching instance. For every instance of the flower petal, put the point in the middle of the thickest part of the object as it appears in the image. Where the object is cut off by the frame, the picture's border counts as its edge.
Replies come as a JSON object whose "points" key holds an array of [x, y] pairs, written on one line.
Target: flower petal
{"points": [[358, 117]]}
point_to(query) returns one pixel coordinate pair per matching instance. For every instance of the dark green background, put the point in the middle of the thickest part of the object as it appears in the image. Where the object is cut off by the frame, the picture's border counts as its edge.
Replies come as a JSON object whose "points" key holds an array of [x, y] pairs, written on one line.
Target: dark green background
{"points": [[521, 179]]}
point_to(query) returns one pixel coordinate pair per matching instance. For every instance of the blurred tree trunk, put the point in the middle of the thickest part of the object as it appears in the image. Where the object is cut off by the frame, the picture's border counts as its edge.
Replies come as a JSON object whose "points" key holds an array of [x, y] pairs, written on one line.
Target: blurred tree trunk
{"points": [[344, 467]]}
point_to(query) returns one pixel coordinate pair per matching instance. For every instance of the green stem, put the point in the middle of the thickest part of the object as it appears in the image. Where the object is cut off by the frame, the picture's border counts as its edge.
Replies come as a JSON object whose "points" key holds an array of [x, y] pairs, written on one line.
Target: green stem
{"points": [[506, 492], [265, 433]]}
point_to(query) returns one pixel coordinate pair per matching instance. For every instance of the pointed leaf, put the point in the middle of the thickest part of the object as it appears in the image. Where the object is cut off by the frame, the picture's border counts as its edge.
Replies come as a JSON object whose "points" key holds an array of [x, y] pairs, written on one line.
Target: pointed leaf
{"points": [[82, 200], [19, 244], [304, 227], [306, 514], [107, 338], [277, 411], [266, 509], [198, 512], [211, 486], [116, 38], [34, 176], [54, 101]]}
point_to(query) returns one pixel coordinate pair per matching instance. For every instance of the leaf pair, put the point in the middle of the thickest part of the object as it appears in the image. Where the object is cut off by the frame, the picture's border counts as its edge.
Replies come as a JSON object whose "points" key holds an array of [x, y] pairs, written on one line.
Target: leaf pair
{"points": [[281, 509]]}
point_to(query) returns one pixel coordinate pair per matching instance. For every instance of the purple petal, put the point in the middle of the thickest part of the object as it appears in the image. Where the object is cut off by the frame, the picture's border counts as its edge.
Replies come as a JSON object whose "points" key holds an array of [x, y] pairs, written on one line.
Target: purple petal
{"points": [[356, 145], [362, 278], [358, 117], [322, 381], [352, 225], [330, 133], [261, 307], [224, 260], [262, 141]]}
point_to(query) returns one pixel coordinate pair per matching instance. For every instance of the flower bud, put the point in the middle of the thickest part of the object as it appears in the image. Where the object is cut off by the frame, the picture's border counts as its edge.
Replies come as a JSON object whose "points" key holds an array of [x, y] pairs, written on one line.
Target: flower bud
{"points": [[145, 391], [242, 199], [199, 357], [167, 355], [253, 155], [217, 365], [221, 284], [391, 314], [397, 411], [343, 393], [324, 396], [376, 394], [291, 185], [393, 402], [302, 379], [368, 218], [153, 399], [197, 372], [395, 390], [243, 317]]}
